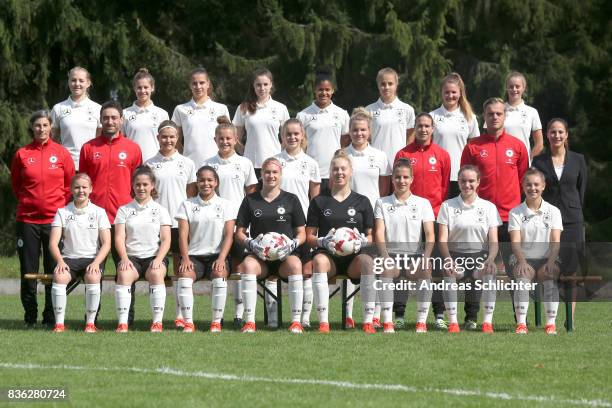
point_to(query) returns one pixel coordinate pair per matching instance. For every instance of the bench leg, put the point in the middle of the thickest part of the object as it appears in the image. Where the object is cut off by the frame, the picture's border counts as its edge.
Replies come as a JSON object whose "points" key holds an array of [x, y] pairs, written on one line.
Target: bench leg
{"points": [[538, 313], [569, 297], [344, 302], [279, 302]]}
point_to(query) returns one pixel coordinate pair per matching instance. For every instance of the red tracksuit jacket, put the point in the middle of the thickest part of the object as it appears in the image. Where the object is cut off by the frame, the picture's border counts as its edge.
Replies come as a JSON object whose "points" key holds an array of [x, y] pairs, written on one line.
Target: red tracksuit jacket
{"points": [[110, 164], [41, 175], [431, 172], [502, 163]]}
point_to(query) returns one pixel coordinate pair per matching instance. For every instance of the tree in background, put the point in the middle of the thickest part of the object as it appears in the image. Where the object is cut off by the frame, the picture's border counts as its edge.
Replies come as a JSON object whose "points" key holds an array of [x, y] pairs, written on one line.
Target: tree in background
{"points": [[562, 47]]}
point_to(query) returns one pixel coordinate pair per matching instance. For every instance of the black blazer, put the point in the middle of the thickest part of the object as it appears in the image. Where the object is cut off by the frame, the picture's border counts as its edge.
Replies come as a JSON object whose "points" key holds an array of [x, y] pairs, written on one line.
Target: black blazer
{"points": [[566, 194]]}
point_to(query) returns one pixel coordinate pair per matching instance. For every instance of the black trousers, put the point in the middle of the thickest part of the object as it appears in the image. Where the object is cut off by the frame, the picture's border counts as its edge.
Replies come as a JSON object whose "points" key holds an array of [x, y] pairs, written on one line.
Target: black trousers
{"points": [[31, 238]]}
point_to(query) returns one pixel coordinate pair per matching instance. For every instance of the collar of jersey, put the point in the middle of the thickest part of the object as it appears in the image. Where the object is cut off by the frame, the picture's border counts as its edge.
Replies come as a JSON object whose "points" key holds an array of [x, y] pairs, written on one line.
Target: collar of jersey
{"points": [[202, 106], [265, 104], [510, 108], [322, 110], [399, 203], [465, 206], [74, 104], [358, 153], [391, 105], [539, 211], [448, 114], [206, 203], [79, 211], [173, 157], [139, 207], [285, 155], [143, 110], [230, 159]]}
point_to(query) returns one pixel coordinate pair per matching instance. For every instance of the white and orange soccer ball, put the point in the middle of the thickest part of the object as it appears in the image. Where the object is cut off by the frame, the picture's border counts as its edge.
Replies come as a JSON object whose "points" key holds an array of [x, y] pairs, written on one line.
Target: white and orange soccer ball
{"points": [[345, 240], [271, 243]]}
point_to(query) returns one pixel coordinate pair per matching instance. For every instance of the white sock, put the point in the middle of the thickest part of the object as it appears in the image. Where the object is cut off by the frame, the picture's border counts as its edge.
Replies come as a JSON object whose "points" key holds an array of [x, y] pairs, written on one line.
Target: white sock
{"points": [[296, 296], [123, 297], [521, 302], [423, 296], [271, 304], [450, 299], [488, 299], [307, 303], [551, 301], [184, 288], [238, 304], [350, 288], [368, 297], [249, 295], [92, 301], [219, 294], [157, 298], [386, 300], [177, 308], [320, 290], [58, 297], [377, 308]]}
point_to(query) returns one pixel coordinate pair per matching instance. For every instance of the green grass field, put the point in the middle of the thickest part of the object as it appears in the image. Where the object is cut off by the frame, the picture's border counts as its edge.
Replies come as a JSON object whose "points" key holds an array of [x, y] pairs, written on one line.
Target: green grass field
{"points": [[275, 368]]}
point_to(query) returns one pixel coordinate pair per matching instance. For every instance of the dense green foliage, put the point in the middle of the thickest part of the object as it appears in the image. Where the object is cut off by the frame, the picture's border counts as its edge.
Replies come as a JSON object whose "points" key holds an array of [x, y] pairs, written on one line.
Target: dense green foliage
{"points": [[563, 47]]}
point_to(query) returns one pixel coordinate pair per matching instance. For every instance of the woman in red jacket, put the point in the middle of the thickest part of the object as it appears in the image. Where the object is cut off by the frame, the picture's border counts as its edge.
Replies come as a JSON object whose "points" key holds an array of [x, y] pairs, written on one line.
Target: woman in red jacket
{"points": [[41, 173]]}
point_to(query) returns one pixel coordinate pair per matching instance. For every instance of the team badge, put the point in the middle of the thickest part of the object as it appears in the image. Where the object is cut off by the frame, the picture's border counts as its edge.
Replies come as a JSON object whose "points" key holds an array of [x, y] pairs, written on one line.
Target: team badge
{"points": [[122, 155], [327, 212], [432, 160], [484, 153], [53, 159], [351, 212], [154, 212], [509, 153], [257, 213], [237, 167], [91, 218], [280, 210]]}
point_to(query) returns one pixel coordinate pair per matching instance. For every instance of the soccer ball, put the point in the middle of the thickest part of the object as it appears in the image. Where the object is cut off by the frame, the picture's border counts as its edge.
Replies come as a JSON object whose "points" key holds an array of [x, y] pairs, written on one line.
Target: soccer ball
{"points": [[271, 243], [345, 239]]}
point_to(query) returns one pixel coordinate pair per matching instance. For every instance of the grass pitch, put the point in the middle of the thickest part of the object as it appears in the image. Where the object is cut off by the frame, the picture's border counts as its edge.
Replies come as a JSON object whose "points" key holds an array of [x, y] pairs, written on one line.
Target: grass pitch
{"points": [[276, 368]]}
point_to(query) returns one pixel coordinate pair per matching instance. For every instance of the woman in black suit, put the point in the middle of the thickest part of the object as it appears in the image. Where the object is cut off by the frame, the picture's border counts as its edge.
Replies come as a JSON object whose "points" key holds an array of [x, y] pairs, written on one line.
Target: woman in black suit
{"points": [[566, 180]]}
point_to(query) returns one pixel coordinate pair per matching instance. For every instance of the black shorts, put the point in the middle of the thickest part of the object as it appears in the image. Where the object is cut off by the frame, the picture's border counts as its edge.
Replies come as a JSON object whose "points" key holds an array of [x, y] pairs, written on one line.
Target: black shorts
{"points": [[142, 264], [78, 266], [174, 241], [203, 265], [238, 251], [273, 267], [342, 263]]}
